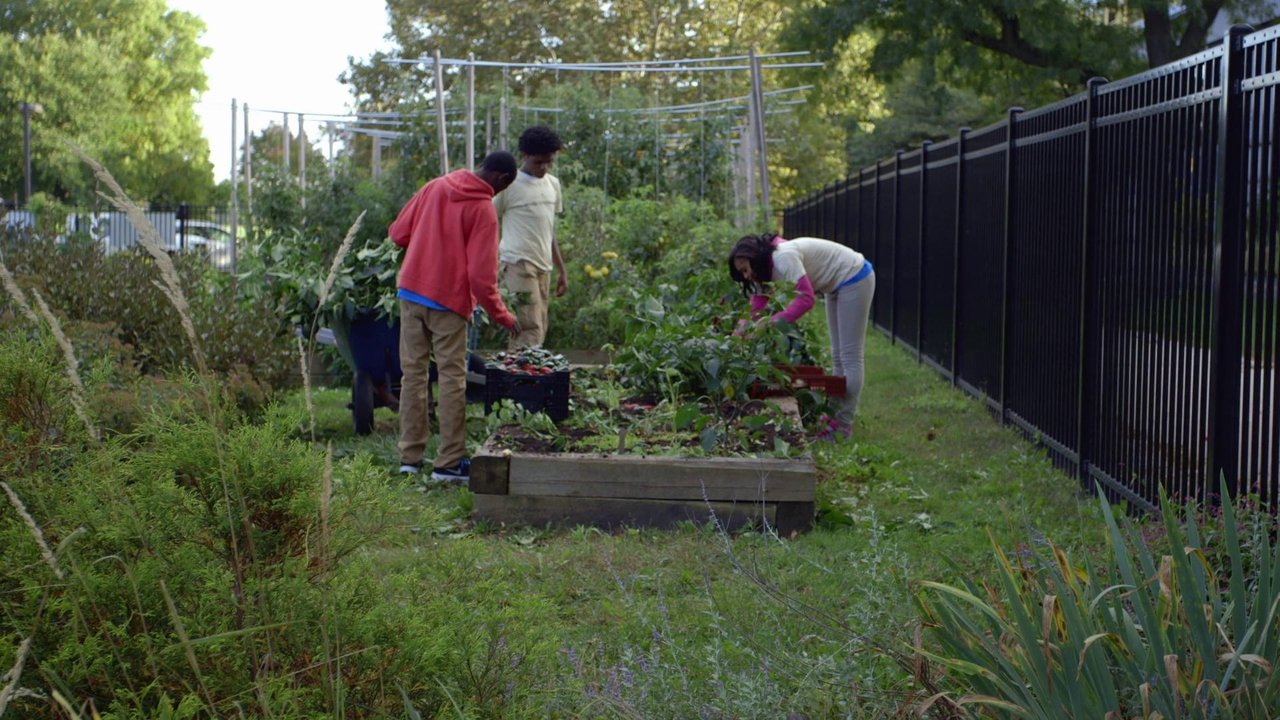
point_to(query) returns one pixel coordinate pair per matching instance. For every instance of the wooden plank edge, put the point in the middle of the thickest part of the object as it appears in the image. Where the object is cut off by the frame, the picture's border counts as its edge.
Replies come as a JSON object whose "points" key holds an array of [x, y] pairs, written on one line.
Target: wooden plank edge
{"points": [[616, 513]]}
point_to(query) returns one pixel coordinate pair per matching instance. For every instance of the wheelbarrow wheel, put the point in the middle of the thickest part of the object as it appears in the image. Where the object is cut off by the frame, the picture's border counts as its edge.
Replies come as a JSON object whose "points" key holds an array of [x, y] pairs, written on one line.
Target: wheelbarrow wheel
{"points": [[362, 403]]}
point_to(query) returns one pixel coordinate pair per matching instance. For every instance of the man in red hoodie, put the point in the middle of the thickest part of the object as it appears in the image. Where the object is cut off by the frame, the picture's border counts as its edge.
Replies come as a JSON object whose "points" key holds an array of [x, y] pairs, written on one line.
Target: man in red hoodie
{"points": [[450, 230]]}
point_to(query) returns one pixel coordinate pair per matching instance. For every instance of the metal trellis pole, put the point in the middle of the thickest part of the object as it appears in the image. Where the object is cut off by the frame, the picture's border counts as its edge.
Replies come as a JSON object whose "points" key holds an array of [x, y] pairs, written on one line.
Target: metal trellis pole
{"points": [[442, 133], [285, 144], [471, 112], [761, 137], [248, 160], [235, 200]]}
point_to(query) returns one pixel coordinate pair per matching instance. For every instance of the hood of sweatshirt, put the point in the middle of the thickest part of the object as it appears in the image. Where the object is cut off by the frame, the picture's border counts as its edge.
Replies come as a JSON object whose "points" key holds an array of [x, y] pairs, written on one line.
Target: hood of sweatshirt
{"points": [[465, 186]]}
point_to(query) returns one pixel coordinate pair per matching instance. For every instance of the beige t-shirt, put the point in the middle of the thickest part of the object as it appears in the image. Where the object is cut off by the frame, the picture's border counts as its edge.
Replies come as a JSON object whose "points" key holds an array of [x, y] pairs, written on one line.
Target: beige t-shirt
{"points": [[828, 264], [527, 210]]}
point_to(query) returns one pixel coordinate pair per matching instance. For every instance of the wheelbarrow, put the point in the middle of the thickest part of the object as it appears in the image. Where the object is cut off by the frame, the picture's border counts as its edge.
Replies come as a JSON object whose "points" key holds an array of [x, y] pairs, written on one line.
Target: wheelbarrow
{"points": [[371, 347]]}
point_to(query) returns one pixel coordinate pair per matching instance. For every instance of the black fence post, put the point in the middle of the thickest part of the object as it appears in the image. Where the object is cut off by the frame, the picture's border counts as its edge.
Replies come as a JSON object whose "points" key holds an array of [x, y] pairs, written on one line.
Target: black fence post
{"points": [[924, 209], [1086, 376], [1227, 302], [897, 204], [1010, 141], [860, 244], [183, 214], [961, 142], [875, 230]]}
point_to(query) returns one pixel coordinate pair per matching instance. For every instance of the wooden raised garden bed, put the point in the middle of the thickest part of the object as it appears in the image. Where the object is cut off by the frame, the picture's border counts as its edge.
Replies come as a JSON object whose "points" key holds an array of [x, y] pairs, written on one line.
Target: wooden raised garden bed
{"points": [[625, 490]]}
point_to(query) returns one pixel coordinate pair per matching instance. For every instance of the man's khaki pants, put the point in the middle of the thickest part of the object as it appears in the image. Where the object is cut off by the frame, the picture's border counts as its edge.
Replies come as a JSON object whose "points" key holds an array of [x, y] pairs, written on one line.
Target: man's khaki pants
{"points": [[531, 311], [422, 332]]}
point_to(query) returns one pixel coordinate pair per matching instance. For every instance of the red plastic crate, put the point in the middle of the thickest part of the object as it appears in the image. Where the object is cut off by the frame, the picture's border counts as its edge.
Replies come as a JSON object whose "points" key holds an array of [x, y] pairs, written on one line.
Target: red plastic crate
{"points": [[802, 376]]}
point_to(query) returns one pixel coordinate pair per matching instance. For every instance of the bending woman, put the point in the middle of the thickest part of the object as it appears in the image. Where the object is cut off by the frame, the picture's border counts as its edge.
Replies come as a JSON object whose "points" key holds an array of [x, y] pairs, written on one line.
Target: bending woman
{"points": [[813, 265]]}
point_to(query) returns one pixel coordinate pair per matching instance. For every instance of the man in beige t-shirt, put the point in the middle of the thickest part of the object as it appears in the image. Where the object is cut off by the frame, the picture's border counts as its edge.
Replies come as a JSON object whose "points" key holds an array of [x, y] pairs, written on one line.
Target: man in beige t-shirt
{"points": [[529, 250]]}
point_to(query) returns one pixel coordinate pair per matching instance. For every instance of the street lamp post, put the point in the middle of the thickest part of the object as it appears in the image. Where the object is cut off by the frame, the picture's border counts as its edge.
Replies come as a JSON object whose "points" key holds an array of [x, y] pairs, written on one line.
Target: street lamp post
{"points": [[27, 109]]}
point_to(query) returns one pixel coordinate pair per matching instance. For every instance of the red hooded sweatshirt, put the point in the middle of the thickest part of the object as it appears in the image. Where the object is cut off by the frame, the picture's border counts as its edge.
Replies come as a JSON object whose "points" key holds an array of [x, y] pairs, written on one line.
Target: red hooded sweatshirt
{"points": [[450, 229]]}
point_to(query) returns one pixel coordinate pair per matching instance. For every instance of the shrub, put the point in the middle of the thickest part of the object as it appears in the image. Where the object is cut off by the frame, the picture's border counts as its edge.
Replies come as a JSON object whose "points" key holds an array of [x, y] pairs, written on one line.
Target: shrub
{"points": [[38, 426], [192, 563], [1164, 627], [239, 332]]}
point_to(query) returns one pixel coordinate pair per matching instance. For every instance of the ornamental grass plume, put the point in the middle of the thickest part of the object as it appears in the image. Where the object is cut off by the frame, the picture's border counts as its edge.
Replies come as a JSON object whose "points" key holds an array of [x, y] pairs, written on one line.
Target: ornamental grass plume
{"points": [[72, 364], [340, 257], [15, 292], [45, 551], [305, 368]]}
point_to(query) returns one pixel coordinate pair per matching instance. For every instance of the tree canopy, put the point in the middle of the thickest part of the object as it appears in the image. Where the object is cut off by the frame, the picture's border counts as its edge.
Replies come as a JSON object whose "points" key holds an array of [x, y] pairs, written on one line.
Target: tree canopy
{"points": [[120, 78], [947, 63]]}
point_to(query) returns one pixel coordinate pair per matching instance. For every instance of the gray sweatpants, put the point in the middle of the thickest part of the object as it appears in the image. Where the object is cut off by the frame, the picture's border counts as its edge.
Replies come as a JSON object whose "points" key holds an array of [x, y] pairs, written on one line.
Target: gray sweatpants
{"points": [[848, 311]]}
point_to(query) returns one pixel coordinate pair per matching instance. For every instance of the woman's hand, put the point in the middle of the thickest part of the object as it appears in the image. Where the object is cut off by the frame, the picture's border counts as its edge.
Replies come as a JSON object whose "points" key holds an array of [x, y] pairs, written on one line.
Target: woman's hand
{"points": [[750, 327]]}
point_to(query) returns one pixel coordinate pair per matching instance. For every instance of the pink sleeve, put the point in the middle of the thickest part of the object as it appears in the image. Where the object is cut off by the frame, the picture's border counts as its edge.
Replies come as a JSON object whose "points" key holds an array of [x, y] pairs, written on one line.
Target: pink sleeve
{"points": [[758, 304], [800, 305]]}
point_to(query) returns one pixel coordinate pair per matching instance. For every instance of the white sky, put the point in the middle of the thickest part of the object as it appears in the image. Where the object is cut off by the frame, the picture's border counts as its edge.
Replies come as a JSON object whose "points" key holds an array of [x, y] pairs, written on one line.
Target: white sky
{"points": [[279, 55]]}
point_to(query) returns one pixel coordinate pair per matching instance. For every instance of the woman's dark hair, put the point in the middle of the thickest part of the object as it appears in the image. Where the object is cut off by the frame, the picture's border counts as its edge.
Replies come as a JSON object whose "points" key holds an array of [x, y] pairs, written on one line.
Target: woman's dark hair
{"points": [[758, 250], [539, 140]]}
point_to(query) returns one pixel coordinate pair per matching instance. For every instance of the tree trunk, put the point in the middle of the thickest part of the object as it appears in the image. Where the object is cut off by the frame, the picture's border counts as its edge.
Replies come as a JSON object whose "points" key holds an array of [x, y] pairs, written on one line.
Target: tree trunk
{"points": [[1158, 32]]}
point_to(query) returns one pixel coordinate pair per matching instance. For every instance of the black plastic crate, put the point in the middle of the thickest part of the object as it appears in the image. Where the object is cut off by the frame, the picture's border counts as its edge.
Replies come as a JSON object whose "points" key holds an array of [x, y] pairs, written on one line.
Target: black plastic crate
{"points": [[536, 393]]}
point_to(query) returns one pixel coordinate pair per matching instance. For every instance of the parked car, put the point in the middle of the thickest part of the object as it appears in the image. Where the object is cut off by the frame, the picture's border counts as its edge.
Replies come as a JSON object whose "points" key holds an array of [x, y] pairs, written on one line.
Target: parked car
{"points": [[206, 237]]}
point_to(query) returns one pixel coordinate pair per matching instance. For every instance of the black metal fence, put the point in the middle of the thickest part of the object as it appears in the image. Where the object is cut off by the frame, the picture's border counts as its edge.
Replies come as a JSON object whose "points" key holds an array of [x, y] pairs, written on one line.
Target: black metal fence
{"points": [[181, 228], [1102, 271]]}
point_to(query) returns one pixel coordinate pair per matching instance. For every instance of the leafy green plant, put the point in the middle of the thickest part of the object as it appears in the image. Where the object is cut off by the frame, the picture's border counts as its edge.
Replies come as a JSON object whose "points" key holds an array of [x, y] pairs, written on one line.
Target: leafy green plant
{"points": [[1158, 629], [685, 347]]}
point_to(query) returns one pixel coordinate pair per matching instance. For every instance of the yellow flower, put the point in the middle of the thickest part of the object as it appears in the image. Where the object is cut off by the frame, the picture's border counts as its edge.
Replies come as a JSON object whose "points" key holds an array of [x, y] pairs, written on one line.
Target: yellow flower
{"points": [[589, 269], [604, 271], [609, 255]]}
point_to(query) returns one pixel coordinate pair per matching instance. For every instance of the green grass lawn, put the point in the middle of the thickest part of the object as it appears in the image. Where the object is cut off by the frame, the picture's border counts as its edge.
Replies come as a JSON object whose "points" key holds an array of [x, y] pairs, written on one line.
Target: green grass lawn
{"points": [[688, 623]]}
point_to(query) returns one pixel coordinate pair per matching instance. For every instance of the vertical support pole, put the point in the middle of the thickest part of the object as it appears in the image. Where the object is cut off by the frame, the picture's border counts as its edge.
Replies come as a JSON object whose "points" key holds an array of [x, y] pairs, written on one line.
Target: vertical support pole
{"points": [[285, 139], [762, 137], [924, 214], [962, 142], [235, 195], [376, 156], [504, 113], [1010, 141], [302, 159], [488, 129], [893, 238], [608, 119], [749, 142], [248, 161], [26, 150], [442, 134], [1087, 392], [471, 111], [657, 151], [1227, 302], [330, 129]]}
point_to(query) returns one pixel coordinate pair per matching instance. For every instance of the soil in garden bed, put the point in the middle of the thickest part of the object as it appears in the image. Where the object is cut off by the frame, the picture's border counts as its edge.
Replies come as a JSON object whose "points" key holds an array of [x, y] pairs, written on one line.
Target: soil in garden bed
{"points": [[740, 427]]}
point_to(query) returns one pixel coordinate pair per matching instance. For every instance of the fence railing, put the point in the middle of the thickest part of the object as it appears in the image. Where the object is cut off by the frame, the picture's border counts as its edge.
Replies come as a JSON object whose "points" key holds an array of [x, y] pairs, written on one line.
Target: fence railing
{"points": [[1102, 271]]}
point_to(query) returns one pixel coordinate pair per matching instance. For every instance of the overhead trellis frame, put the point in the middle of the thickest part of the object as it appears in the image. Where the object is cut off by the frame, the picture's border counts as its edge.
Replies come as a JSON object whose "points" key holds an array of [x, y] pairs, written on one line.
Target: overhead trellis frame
{"points": [[755, 100]]}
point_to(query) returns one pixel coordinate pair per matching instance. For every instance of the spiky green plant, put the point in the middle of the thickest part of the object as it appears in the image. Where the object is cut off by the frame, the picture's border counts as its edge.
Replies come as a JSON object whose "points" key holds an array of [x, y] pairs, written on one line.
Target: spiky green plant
{"points": [[1174, 627]]}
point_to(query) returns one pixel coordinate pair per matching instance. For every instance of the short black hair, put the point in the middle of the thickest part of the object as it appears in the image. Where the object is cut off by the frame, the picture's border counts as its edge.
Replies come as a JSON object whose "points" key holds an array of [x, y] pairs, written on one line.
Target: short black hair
{"points": [[540, 140], [500, 161]]}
